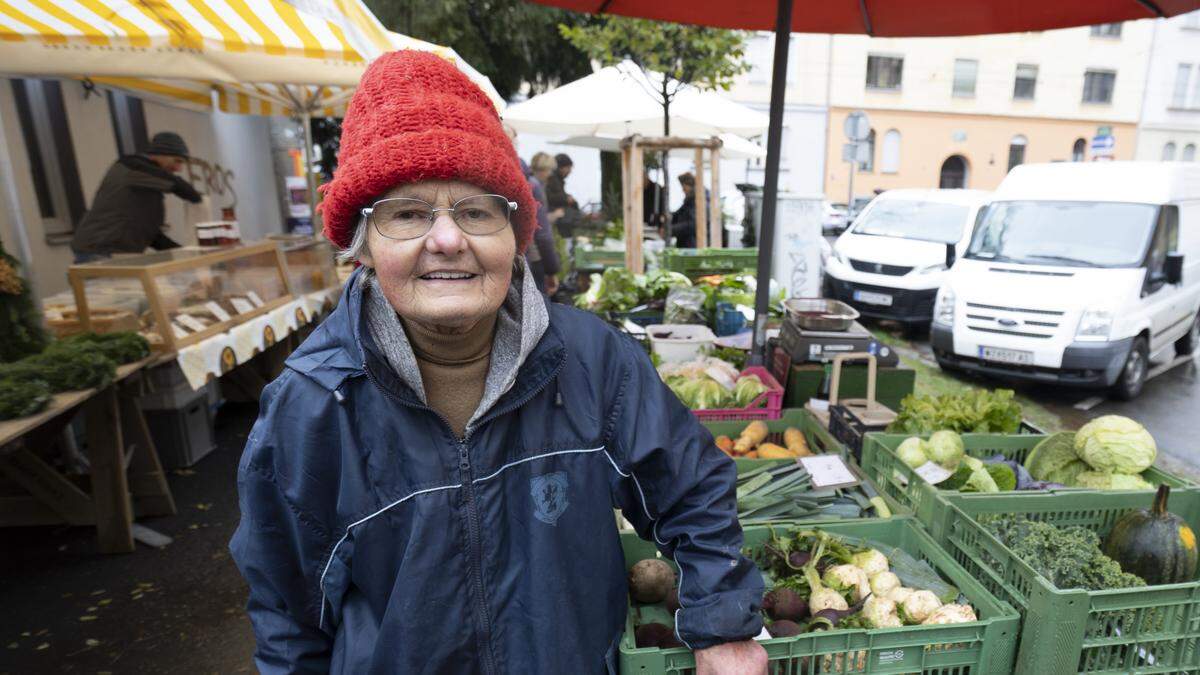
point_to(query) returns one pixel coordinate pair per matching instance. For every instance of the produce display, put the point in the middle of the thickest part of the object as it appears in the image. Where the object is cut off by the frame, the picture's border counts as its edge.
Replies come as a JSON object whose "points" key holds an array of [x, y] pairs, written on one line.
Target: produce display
{"points": [[1154, 544], [751, 443], [122, 348], [775, 493], [81, 361], [20, 321], [19, 398], [710, 383], [974, 411], [1108, 453], [619, 290], [1068, 557]]}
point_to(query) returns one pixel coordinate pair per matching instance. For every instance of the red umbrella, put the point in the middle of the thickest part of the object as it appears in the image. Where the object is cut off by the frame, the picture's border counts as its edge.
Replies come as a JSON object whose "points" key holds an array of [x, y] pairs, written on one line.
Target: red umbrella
{"points": [[882, 18]]}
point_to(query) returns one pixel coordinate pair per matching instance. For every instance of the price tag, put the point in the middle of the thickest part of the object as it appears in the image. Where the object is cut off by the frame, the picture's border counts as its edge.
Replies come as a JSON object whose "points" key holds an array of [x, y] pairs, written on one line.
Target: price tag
{"points": [[241, 305], [763, 634], [191, 322], [255, 299], [819, 404], [179, 331], [933, 473], [828, 471], [217, 310]]}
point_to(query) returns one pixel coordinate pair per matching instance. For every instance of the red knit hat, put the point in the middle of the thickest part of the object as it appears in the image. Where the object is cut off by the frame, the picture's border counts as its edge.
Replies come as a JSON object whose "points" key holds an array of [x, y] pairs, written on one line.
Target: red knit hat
{"points": [[417, 117]]}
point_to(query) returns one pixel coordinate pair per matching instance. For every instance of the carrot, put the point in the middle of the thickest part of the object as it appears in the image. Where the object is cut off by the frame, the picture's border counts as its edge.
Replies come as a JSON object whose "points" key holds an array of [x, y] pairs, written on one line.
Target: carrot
{"points": [[725, 443], [752, 435], [793, 438]]}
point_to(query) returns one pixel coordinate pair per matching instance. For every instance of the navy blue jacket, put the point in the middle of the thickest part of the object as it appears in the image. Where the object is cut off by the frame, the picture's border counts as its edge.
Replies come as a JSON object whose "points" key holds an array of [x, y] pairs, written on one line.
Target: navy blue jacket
{"points": [[374, 540]]}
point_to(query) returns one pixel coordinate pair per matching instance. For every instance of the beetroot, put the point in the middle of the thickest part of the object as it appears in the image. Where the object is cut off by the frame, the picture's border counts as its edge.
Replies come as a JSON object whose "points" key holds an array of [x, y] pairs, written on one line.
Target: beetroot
{"points": [[798, 559], [780, 629], [651, 634], [670, 642], [784, 604]]}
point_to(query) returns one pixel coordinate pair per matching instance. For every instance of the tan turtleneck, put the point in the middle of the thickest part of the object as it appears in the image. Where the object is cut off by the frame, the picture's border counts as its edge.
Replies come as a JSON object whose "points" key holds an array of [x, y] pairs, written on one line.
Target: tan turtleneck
{"points": [[453, 368]]}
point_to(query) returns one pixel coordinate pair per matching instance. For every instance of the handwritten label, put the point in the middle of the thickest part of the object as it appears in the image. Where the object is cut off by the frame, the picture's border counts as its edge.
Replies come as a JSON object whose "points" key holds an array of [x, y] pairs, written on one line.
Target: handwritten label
{"points": [[828, 471], [255, 299], [933, 473], [217, 310], [241, 305], [191, 322]]}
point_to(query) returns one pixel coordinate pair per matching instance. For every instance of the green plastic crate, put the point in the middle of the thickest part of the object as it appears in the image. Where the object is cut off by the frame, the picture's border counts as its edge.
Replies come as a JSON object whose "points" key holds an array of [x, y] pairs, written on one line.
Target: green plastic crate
{"points": [[897, 480], [1079, 631], [597, 259], [985, 647], [705, 261]]}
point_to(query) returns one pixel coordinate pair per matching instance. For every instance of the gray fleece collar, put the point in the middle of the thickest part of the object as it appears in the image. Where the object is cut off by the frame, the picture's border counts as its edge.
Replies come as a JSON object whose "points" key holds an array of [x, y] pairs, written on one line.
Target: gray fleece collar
{"points": [[520, 324]]}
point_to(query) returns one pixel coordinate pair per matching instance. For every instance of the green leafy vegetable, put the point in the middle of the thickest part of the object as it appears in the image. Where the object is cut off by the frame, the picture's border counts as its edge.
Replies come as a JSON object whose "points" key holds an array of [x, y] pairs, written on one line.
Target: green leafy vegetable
{"points": [[1115, 444], [975, 411], [1110, 481], [19, 398], [1069, 557], [124, 347], [67, 368], [748, 388], [1004, 477], [946, 448]]}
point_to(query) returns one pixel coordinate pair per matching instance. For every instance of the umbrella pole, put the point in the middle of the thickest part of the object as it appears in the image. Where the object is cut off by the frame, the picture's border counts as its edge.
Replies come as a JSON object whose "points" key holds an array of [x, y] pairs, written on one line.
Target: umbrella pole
{"points": [[306, 117], [766, 235]]}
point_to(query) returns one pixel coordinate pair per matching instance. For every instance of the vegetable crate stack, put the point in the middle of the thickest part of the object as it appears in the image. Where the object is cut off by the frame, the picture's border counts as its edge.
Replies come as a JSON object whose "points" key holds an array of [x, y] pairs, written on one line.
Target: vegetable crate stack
{"points": [[1105, 582], [1108, 453], [852, 597]]}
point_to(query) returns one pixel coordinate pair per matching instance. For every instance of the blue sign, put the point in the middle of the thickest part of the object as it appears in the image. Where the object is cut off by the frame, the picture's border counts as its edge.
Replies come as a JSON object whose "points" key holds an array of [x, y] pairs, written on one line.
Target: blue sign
{"points": [[1103, 143]]}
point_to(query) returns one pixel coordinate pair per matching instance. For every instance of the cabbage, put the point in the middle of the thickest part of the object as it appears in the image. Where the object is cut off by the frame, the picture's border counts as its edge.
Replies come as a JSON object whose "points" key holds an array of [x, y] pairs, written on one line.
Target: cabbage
{"points": [[1115, 444], [1067, 473], [1003, 475], [1111, 481], [747, 389], [946, 448], [913, 452], [1053, 453], [980, 481], [709, 394]]}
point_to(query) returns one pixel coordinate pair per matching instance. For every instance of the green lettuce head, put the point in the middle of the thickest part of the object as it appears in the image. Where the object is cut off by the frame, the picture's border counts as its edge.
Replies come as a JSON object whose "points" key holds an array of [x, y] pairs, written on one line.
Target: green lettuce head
{"points": [[913, 451], [946, 448], [1115, 444], [1111, 481]]}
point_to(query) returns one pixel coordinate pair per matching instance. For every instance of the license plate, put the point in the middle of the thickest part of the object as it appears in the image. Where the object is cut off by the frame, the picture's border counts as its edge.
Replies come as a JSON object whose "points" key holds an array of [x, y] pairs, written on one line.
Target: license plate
{"points": [[1015, 356], [873, 298]]}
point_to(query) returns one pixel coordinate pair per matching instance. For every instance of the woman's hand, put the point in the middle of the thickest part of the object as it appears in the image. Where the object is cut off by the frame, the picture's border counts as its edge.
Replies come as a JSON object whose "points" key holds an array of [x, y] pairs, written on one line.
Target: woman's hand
{"points": [[732, 658]]}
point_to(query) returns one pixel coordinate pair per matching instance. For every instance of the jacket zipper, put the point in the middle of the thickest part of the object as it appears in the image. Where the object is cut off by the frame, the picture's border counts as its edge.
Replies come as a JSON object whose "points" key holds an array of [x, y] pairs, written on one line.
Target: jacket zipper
{"points": [[489, 664]]}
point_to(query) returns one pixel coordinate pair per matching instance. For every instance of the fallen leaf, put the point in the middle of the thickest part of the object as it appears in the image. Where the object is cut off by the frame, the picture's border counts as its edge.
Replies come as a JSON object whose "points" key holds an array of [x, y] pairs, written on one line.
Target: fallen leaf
{"points": [[26, 634], [99, 592], [44, 645], [88, 617], [104, 602], [13, 645], [92, 609], [137, 597], [91, 642], [204, 507]]}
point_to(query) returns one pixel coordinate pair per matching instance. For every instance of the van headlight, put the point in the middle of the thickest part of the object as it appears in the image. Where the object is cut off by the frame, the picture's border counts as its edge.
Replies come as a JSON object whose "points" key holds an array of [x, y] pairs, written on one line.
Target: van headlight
{"points": [[930, 269], [943, 309], [1094, 325]]}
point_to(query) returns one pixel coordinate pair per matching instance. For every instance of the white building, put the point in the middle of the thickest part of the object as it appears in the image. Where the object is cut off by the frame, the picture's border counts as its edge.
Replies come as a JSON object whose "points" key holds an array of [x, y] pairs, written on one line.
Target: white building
{"points": [[1170, 120]]}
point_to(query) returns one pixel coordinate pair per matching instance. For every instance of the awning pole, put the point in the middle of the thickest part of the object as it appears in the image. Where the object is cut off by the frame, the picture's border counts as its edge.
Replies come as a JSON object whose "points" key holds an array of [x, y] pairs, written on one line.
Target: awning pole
{"points": [[766, 235], [308, 167]]}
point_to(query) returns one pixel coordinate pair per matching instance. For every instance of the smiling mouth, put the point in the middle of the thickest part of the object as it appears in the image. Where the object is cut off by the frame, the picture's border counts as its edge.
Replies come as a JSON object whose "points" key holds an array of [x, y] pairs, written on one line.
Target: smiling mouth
{"points": [[448, 276]]}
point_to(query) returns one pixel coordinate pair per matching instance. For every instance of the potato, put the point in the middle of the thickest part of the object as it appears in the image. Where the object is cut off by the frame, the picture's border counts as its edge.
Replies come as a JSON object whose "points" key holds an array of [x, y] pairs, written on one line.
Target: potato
{"points": [[650, 580]]}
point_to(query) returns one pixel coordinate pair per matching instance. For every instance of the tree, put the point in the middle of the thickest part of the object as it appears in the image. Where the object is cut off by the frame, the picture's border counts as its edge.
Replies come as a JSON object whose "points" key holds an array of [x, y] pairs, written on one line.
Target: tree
{"points": [[681, 55], [514, 43]]}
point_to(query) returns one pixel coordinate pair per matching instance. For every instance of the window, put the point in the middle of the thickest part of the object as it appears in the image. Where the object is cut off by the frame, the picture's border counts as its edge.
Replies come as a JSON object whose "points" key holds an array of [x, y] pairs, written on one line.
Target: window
{"points": [[868, 163], [1189, 153], [129, 122], [1110, 30], [1183, 73], [890, 163], [884, 72], [52, 166], [1016, 151], [1079, 150], [1166, 240], [965, 73], [1168, 152], [1098, 86], [1025, 82]]}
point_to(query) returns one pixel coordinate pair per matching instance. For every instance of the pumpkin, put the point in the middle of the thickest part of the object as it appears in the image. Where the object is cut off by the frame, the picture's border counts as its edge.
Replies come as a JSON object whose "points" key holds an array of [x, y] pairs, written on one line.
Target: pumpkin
{"points": [[1154, 544]]}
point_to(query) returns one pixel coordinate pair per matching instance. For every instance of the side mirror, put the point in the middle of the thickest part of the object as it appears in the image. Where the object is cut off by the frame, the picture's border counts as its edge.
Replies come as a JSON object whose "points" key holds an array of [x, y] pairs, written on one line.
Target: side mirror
{"points": [[1174, 268], [951, 255]]}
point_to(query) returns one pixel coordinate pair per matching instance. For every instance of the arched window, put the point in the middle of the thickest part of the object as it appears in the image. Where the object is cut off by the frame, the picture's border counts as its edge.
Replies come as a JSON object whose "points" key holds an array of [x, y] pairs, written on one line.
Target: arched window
{"points": [[1189, 153], [1016, 151], [1079, 150], [1168, 152], [868, 164], [890, 163]]}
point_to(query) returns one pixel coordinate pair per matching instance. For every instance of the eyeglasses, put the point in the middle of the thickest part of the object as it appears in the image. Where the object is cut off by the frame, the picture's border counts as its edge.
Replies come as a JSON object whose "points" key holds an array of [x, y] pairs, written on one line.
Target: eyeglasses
{"points": [[404, 218]]}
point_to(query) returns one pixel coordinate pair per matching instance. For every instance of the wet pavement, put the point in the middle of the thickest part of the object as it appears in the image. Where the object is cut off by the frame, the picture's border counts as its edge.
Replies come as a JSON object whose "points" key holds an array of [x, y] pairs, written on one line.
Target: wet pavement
{"points": [[70, 609]]}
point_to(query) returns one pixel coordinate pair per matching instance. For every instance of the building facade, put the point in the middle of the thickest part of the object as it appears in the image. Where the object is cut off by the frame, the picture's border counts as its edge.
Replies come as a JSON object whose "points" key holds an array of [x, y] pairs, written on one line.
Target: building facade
{"points": [[1170, 122]]}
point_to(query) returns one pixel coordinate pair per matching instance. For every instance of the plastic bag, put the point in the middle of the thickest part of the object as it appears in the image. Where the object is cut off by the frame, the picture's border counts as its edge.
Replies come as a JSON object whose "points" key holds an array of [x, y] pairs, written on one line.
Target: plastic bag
{"points": [[684, 305]]}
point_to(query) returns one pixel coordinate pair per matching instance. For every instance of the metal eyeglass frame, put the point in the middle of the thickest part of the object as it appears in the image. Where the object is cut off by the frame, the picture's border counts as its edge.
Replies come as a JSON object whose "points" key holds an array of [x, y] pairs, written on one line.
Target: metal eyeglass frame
{"points": [[369, 210]]}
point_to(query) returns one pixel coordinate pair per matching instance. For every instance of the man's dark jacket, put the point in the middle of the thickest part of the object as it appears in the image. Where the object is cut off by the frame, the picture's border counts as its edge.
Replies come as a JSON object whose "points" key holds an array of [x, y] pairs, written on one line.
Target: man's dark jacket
{"points": [[127, 212], [375, 540]]}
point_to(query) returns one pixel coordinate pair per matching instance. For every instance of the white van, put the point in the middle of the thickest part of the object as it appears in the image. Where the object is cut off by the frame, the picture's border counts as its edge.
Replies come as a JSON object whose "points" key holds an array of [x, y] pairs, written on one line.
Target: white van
{"points": [[1078, 273], [890, 263]]}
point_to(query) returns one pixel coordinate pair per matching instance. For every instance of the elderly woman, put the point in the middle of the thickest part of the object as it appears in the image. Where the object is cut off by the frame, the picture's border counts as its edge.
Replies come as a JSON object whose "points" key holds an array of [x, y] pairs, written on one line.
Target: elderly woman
{"points": [[430, 484]]}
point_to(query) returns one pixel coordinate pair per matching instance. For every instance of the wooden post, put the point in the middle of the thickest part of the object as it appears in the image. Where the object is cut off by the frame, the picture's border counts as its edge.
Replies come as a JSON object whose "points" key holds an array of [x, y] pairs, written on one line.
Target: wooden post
{"points": [[699, 203], [147, 481], [633, 238], [626, 204], [716, 227], [110, 490]]}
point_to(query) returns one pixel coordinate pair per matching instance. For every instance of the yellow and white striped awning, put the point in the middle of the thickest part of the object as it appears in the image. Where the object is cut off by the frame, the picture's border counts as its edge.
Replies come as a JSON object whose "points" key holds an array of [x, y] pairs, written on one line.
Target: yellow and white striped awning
{"points": [[260, 57]]}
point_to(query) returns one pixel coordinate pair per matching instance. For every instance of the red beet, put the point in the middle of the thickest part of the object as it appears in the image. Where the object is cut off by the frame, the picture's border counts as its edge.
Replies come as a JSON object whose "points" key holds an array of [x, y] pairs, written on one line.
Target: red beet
{"points": [[780, 629], [651, 634], [798, 559], [784, 604], [670, 642]]}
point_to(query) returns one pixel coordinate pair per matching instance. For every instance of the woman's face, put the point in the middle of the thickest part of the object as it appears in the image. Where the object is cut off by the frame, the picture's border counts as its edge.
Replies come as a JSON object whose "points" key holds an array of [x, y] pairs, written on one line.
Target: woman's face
{"points": [[542, 174], [413, 272]]}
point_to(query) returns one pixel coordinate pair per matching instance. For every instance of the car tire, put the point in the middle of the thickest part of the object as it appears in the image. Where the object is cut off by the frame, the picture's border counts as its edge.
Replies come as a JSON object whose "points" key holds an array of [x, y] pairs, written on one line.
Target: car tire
{"points": [[1133, 374], [1186, 345]]}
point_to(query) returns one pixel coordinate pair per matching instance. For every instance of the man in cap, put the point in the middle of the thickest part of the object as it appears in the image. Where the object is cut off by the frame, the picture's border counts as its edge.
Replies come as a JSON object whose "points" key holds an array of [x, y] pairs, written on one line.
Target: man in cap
{"points": [[127, 214]]}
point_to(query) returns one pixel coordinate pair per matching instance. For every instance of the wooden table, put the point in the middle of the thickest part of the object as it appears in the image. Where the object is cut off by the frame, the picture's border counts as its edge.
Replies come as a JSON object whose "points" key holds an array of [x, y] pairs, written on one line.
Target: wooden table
{"points": [[115, 430]]}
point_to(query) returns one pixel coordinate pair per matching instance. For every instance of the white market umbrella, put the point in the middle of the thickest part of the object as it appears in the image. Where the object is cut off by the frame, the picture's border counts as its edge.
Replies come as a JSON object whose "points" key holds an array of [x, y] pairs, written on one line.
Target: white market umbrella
{"points": [[732, 146]]}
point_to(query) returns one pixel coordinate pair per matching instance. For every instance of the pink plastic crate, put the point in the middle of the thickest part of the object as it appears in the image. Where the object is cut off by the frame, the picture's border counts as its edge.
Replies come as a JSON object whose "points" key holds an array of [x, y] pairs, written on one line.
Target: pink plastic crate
{"points": [[768, 405]]}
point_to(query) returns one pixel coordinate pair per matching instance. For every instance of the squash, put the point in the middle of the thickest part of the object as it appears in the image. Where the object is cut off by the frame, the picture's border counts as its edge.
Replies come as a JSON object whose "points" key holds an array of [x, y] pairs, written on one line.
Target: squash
{"points": [[1154, 544]]}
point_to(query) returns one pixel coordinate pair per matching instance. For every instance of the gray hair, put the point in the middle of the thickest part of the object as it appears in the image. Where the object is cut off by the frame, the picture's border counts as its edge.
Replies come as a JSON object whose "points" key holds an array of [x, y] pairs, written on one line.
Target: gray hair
{"points": [[358, 245]]}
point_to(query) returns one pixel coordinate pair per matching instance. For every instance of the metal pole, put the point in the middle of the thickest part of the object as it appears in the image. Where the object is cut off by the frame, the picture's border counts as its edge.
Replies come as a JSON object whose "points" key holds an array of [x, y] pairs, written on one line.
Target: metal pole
{"points": [[766, 235], [850, 199], [306, 117]]}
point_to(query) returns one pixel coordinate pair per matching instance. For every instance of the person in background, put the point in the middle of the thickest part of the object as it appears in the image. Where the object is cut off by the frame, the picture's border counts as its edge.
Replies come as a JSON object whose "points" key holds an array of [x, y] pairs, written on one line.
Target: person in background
{"points": [[683, 221], [651, 194], [127, 214], [543, 254], [556, 188]]}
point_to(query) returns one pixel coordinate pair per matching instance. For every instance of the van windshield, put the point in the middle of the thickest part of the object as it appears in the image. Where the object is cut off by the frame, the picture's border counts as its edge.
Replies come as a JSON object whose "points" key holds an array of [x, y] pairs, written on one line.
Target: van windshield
{"points": [[1075, 234], [905, 219]]}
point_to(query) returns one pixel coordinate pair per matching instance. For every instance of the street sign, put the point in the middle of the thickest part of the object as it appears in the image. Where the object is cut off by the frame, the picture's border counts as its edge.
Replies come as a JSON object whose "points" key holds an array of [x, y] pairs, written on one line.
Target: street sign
{"points": [[857, 126], [848, 152], [1103, 146]]}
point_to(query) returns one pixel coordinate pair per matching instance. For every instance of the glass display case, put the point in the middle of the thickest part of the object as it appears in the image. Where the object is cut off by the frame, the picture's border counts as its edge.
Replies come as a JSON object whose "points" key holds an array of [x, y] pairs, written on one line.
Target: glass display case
{"points": [[309, 263], [182, 296]]}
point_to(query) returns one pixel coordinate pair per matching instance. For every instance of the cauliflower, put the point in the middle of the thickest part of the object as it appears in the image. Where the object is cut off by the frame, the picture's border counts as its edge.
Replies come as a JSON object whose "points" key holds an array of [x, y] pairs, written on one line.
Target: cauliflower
{"points": [[880, 612], [919, 606], [899, 595], [870, 561], [848, 578], [826, 598], [951, 614], [883, 583]]}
